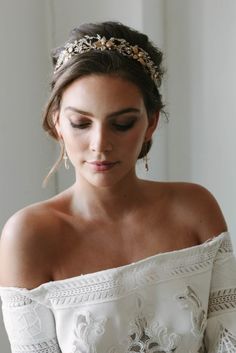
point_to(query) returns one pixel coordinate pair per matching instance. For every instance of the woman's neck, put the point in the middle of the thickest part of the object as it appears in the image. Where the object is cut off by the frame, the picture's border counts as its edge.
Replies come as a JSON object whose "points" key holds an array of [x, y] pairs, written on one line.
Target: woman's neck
{"points": [[108, 203]]}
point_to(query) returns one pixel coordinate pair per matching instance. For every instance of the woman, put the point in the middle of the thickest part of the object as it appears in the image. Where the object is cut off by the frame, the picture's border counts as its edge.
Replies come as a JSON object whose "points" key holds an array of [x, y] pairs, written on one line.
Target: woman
{"points": [[115, 264]]}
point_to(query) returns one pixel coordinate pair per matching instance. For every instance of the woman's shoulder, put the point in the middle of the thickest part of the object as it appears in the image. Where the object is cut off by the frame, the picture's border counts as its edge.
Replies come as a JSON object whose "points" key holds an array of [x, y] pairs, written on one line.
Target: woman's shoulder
{"points": [[194, 205], [34, 218], [38, 216], [27, 245]]}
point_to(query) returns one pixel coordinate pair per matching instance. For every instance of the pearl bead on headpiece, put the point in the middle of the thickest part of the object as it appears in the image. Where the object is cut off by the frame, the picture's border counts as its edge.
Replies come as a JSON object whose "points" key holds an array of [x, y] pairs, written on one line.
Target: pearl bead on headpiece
{"points": [[88, 43]]}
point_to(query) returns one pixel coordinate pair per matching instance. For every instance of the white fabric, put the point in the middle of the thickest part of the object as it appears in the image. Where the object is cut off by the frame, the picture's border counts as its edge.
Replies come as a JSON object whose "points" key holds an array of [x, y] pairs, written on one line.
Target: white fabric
{"points": [[182, 301]]}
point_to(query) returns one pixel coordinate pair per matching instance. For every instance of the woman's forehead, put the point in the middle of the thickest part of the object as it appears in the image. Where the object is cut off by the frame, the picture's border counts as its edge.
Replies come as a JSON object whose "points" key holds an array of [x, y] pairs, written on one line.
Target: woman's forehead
{"points": [[109, 91]]}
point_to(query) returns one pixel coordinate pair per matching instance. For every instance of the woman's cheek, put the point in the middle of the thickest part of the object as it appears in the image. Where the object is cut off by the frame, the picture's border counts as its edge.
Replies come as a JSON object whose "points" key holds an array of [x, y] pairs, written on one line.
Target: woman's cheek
{"points": [[136, 138]]}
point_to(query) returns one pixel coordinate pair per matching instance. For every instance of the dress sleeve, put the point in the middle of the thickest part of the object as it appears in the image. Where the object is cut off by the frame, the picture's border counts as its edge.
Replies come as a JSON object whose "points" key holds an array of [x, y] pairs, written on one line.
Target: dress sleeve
{"points": [[220, 335], [30, 325]]}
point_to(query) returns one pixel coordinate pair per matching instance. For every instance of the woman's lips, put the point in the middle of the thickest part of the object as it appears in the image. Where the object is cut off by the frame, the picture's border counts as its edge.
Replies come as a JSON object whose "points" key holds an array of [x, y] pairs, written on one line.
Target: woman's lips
{"points": [[102, 166]]}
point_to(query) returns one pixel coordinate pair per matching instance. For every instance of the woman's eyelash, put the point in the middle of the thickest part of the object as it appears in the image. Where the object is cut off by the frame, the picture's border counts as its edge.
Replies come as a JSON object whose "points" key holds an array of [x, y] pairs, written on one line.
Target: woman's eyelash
{"points": [[79, 126], [121, 127], [124, 127]]}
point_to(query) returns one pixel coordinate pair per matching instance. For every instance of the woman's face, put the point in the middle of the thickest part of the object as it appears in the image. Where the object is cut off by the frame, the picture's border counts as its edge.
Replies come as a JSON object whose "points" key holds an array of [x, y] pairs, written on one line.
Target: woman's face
{"points": [[103, 123]]}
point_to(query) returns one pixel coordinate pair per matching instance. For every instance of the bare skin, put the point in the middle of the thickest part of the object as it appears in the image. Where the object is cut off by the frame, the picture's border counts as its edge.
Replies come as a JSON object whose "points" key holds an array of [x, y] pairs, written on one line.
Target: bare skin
{"points": [[107, 218]]}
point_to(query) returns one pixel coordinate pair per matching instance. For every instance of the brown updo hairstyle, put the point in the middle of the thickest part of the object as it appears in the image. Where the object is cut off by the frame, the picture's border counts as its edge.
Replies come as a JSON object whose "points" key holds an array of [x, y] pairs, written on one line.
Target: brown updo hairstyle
{"points": [[104, 62]]}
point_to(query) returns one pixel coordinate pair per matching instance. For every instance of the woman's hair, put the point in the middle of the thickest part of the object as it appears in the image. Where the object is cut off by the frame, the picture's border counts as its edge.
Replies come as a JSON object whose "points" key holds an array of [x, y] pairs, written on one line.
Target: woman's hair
{"points": [[110, 62]]}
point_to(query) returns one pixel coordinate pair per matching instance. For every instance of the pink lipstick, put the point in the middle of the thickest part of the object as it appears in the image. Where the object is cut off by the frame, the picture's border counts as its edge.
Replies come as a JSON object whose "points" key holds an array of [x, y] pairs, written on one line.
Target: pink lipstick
{"points": [[101, 166]]}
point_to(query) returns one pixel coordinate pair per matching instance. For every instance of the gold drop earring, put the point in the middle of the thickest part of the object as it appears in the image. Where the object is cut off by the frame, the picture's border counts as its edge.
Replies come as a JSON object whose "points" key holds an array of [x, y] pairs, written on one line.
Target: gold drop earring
{"points": [[145, 157], [145, 160], [63, 151], [65, 157]]}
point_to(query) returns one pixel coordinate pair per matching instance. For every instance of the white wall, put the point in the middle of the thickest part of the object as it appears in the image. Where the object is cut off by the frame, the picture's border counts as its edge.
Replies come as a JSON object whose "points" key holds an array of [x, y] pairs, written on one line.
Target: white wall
{"points": [[201, 56], [153, 24], [25, 152]]}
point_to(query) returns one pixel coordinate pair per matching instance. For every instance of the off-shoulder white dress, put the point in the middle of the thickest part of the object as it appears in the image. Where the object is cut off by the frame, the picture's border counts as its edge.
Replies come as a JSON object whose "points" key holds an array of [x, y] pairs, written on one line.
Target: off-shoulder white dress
{"points": [[182, 301]]}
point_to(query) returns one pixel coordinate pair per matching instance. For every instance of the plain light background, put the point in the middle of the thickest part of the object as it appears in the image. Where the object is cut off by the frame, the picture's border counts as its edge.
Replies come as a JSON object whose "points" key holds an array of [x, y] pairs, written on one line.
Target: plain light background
{"points": [[197, 145]]}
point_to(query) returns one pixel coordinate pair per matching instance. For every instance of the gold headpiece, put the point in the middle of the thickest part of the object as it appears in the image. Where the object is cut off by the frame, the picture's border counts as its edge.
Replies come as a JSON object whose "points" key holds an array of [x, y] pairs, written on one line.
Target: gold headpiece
{"points": [[88, 43]]}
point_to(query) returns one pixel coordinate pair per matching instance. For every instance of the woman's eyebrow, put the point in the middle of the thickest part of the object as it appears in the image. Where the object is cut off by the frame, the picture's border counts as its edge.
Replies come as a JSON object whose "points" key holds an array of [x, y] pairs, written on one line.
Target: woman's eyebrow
{"points": [[110, 115], [123, 111]]}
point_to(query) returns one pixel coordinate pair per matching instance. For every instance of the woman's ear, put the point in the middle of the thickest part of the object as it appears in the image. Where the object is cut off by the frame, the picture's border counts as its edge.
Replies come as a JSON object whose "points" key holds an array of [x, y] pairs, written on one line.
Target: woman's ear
{"points": [[56, 124], [152, 124]]}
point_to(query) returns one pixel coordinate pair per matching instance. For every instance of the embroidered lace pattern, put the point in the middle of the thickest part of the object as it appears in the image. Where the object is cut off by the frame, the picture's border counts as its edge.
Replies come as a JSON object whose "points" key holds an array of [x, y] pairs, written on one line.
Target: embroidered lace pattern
{"points": [[86, 328], [226, 342], [222, 300], [105, 286], [189, 300], [145, 334]]}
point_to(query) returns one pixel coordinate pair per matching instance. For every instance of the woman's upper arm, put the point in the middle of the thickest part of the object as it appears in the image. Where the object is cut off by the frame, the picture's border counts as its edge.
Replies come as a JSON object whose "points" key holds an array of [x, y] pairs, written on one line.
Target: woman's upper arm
{"points": [[211, 219], [203, 211], [29, 323], [23, 259]]}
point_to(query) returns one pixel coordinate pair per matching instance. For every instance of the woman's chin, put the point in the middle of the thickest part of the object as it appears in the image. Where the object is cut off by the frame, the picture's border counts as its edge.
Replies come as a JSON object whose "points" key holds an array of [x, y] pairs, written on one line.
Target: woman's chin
{"points": [[103, 180]]}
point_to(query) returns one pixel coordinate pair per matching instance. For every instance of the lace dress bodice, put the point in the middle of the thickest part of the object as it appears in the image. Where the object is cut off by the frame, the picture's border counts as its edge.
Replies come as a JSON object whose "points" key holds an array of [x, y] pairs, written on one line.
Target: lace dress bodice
{"points": [[182, 301]]}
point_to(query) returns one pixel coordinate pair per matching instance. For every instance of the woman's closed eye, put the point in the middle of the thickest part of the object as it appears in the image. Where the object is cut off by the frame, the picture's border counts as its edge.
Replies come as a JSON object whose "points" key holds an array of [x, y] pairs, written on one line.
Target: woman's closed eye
{"points": [[124, 126], [115, 125], [79, 125]]}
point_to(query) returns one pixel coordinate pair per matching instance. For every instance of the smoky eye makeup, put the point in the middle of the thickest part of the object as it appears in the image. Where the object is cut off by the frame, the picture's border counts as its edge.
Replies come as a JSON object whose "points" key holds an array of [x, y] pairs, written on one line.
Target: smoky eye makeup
{"points": [[123, 125], [116, 123], [78, 122], [117, 126]]}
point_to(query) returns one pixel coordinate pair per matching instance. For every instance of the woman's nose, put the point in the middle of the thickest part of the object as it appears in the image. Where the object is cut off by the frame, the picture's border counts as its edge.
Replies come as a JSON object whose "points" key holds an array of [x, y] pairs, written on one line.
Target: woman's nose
{"points": [[101, 140]]}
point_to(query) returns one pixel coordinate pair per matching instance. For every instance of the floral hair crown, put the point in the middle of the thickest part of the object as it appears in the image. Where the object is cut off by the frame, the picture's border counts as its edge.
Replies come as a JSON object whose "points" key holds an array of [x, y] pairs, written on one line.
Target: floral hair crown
{"points": [[88, 43]]}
